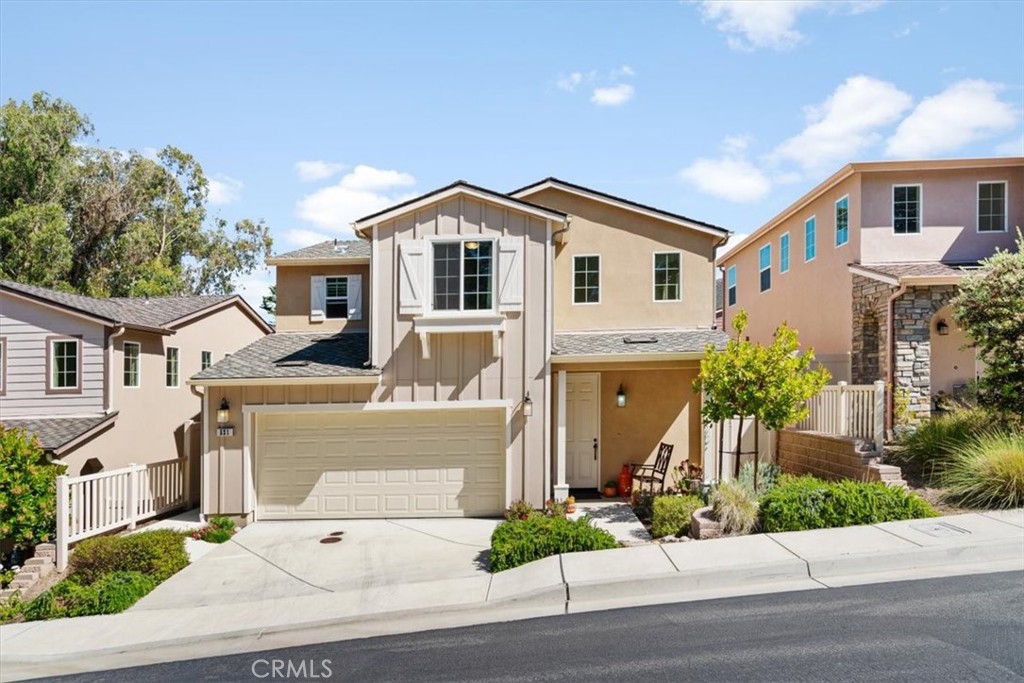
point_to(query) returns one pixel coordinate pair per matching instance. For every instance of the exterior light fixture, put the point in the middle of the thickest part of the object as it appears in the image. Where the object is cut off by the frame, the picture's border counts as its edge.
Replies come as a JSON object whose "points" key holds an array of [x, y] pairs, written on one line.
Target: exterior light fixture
{"points": [[224, 412], [620, 397], [472, 246], [527, 405], [942, 328]]}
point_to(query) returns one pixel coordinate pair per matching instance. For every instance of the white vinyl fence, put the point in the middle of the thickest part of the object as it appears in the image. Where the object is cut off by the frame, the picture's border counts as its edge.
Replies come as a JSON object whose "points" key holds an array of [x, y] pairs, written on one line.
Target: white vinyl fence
{"points": [[97, 503], [849, 410]]}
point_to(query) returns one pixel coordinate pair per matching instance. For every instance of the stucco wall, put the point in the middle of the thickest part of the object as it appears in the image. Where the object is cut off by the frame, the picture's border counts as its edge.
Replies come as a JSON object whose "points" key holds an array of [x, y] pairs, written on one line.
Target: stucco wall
{"points": [[293, 293], [626, 243], [953, 359]]}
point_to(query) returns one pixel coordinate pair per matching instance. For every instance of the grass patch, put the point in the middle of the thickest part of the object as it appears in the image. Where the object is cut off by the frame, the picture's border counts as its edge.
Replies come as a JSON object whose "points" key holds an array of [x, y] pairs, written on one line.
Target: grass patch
{"points": [[931, 445], [733, 505], [986, 472]]}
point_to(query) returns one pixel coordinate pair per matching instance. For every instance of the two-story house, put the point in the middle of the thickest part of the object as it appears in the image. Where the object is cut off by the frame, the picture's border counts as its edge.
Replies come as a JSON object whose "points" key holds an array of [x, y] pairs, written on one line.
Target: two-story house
{"points": [[470, 349], [101, 382], [865, 264]]}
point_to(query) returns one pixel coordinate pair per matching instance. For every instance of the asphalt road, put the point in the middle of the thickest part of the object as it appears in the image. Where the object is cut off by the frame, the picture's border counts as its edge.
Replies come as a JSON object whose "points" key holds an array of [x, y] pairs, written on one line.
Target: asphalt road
{"points": [[968, 628]]}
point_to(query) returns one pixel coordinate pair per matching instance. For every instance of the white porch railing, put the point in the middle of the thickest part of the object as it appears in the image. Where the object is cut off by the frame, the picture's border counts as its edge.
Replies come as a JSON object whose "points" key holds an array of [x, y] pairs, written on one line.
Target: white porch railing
{"points": [[849, 410], [97, 503]]}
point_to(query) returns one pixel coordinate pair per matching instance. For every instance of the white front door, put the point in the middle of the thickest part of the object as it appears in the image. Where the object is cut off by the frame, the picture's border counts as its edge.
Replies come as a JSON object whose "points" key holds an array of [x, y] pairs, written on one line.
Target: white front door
{"points": [[582, 422]]}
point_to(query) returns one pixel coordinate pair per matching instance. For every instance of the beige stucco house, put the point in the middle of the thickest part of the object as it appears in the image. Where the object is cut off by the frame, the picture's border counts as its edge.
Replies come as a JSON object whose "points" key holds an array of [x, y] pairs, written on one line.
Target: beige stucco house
{"points": [[101, 382], [865, 264], [471, 348]]}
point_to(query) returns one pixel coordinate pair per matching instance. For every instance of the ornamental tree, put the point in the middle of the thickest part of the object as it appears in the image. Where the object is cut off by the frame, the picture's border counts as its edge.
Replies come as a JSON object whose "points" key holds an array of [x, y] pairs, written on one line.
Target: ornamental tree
{"points": [[28, 490]]}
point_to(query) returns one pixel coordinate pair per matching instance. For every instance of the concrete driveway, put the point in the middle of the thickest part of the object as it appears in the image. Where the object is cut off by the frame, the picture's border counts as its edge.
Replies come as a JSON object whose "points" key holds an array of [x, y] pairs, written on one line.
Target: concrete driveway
{"points": [[287, 559]]}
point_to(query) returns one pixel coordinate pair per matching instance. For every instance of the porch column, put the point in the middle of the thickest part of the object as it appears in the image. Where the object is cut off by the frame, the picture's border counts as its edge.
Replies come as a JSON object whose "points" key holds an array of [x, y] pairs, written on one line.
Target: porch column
{"points": [[708, 449], [561, 487]]}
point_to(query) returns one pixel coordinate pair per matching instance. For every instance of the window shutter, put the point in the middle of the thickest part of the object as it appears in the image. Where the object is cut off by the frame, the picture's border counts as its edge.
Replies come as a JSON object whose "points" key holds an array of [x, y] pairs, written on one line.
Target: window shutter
{"points": [[355, 297], [510, 273], [317, 298], [412, 277]]}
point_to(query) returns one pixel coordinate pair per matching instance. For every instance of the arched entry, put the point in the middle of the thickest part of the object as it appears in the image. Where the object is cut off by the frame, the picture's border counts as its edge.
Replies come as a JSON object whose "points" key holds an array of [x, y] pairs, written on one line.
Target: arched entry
{"points": [[952, 361]]}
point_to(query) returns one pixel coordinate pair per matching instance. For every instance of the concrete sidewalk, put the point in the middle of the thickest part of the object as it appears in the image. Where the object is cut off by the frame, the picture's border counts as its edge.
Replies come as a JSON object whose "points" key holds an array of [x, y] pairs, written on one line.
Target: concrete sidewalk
{"points": [[647, 574]]}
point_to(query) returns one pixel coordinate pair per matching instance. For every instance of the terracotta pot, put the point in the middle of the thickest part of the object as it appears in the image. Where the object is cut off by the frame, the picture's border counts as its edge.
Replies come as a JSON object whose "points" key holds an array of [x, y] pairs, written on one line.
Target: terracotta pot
{"points": [[570, 508], [610, 492]]}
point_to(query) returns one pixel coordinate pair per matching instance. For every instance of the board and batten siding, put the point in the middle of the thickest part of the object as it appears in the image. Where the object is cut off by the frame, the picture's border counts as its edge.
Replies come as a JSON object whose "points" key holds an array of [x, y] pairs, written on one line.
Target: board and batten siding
{"points": [[26, 327]]}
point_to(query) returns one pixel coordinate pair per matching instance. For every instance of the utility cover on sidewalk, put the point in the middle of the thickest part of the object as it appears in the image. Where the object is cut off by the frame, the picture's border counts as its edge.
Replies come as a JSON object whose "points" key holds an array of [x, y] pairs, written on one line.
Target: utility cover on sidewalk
{"points": [[939, 529]]}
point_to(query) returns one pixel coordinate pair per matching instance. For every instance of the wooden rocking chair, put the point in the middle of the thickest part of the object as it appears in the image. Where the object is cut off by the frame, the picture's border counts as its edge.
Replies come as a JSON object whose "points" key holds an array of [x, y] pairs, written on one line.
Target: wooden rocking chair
{"points": [[654, 474]]}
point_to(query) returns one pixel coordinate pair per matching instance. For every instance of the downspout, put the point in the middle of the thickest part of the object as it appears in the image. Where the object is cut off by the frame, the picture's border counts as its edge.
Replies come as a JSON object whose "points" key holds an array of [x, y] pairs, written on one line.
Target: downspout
{"points": [[714, 278], [890, 352], [109, 407]]}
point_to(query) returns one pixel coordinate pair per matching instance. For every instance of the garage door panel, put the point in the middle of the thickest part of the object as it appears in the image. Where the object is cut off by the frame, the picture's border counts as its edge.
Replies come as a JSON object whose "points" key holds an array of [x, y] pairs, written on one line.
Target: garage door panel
{"points": [[374, 464]]}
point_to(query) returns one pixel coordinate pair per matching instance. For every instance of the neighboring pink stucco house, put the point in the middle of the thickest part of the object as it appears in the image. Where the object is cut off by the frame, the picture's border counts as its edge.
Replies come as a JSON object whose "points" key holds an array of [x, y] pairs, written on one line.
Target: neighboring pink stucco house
{"points": [[471, 348], [101, 382], [864, 266]]}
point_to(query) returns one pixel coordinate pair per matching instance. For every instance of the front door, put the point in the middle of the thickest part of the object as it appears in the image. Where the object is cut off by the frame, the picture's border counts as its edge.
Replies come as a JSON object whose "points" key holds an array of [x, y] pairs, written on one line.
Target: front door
{"points": [[582, 428]]}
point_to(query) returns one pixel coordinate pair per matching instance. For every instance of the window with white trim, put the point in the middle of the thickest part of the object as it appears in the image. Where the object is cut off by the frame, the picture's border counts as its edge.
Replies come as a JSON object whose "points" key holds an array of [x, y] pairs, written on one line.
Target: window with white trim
{"points": [[784, 253], [586, 279], [730, 280], [842, 221], [172, 366], [64, 364], [463, 275], [205, 360], [667, 270], [336, 299], [3, 365], [810, 239], [992, 207], [906, 209], [764, 264], [132, 362]]}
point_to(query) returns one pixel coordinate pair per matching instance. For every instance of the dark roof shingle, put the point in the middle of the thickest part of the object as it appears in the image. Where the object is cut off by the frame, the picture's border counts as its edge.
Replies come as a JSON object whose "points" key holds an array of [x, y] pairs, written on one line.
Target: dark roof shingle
{"points": [[637, 342], [54, 432], [339, 249], [296, 355], [921, 269]]}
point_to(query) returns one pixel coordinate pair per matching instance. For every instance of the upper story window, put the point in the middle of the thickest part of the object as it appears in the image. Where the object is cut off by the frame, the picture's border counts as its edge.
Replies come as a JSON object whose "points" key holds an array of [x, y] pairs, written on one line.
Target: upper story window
{"points": [[586, 279], [842, 221], [171, 358], [764, 264], [906, 209], [64, 358], [206, 360], [810, 239], [784, 253], [132, 363], [730, 281], [992, 206], [3, 366], [463, 275], [667, 267], [335, 297], [336, 300]]}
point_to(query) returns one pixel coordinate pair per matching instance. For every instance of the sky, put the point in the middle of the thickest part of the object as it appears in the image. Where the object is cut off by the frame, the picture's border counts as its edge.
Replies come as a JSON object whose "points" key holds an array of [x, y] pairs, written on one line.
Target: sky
{"points": [[310, 115]]}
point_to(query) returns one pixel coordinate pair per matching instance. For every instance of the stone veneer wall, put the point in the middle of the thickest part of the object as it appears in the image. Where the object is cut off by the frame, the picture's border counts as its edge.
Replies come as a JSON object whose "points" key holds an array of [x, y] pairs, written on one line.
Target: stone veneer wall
{"points": [[833, 457]]}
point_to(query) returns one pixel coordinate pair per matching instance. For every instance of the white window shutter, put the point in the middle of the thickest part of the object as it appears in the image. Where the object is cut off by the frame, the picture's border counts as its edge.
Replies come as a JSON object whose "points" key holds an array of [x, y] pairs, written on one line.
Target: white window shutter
{"points": [[355, 297], [317, 298], [510, 274], [412, 277]]}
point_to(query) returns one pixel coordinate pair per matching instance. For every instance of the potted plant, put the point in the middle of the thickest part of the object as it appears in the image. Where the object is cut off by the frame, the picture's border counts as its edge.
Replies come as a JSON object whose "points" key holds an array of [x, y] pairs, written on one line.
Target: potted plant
{"points": [[611, 488], [570, 505]]}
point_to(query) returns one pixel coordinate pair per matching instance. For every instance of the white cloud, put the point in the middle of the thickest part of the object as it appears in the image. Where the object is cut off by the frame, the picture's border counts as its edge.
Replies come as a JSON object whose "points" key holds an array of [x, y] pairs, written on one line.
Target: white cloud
{"points": [[570, 82], [612, 96], [253, 287], [317, 170], [361, 191], [750, 25], [1011, 148], [845, 125], [906, 30], [731, 179], [224, 189], [963, 113], [300, 237], [624, 71], [736, 144]]}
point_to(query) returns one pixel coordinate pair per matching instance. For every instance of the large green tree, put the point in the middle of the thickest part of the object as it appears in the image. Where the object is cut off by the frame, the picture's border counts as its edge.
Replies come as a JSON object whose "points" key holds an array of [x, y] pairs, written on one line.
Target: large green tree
{"points": [[990, 307], [104, 222]]}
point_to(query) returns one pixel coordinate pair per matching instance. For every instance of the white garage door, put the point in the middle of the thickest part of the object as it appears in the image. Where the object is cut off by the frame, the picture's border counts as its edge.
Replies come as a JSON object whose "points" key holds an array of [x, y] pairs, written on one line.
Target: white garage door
{"points": [[422, 463]]}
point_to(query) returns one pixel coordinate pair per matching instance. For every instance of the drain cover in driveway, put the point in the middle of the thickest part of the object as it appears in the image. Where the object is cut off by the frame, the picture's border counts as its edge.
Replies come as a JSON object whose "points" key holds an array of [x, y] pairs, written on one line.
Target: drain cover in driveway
{"points": [[331, 539], [939, 529], [336, 533]]}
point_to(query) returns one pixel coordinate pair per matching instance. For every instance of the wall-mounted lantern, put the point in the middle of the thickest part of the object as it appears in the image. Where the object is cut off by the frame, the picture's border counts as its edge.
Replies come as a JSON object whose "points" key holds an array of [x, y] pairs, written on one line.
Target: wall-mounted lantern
{"points": [[527, 405], [224, 412], [620, 397], [942, 328]]}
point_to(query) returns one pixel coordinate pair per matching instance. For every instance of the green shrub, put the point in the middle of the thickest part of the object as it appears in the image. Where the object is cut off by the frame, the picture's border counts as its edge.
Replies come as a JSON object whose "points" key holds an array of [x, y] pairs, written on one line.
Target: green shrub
{"points": [[930, 446], [6, 576], [28, 490], [157, 554], [118, 591], [643, 505], [671, 515], [733, 505], [520, 509], [109, 594], [798, 503], [11, 608], [986, 472], [767, 475], [219, 530], [520, 541]]}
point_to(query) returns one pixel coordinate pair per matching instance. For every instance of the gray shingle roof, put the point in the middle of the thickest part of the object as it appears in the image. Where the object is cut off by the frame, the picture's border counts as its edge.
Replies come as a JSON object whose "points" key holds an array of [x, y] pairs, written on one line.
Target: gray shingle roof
{"points": [[339, 249], [637, 342], [152, 312], [928, 269], [54, 432], [296, 354]]}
